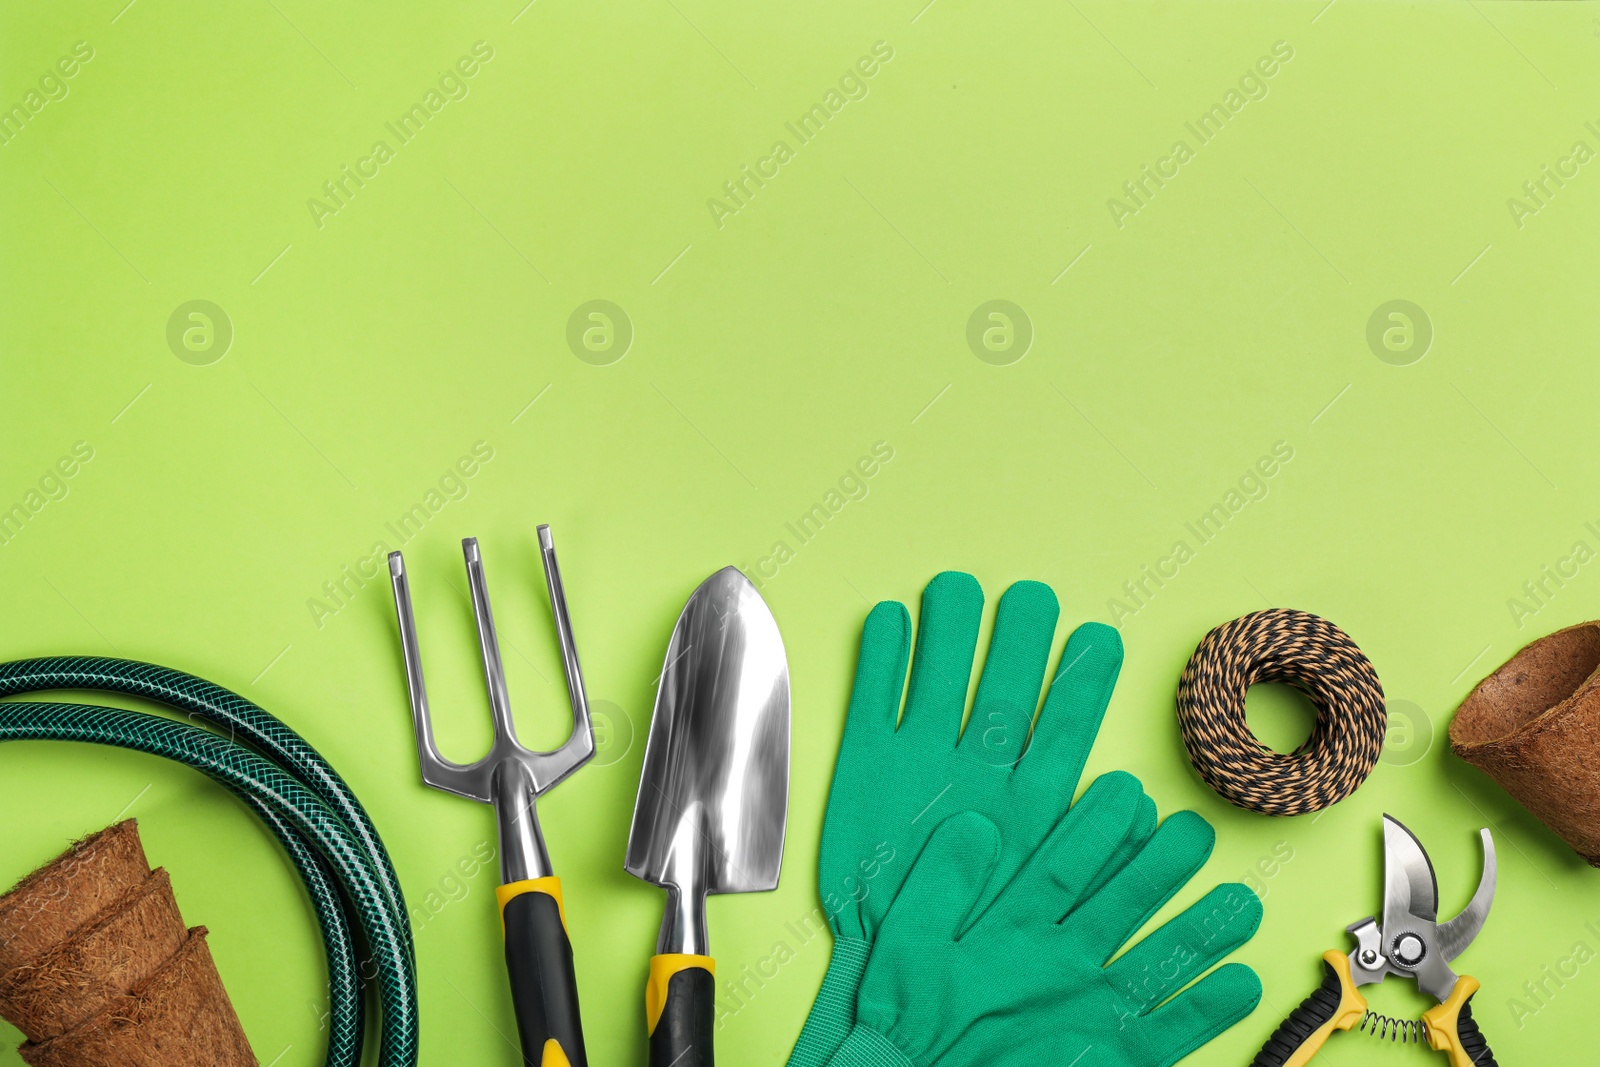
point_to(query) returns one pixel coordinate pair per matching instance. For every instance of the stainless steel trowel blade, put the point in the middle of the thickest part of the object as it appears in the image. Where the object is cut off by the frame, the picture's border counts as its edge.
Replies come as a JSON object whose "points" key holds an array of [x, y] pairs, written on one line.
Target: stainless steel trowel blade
{"points": [[714, 792]]}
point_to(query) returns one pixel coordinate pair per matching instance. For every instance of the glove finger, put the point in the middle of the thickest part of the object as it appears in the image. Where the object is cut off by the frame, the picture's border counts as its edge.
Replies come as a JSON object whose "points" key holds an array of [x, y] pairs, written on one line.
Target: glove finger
{"points": [[880, 675], [1197, 1015], [1074, 707], [1013, 674], [945, 882], [869, 727], [1188, 945], [1174, 853], [1138, 835], [1090, 837], [941, 669]]}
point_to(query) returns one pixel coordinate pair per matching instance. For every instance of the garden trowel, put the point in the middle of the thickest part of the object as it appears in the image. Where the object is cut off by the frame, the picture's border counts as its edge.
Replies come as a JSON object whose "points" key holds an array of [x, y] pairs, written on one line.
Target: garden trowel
{"points": [[713, 796]]}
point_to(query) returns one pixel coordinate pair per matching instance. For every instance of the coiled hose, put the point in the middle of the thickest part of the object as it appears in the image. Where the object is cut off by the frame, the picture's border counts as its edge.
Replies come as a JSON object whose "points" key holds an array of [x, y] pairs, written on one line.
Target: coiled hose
{"points": [[304, 802]]}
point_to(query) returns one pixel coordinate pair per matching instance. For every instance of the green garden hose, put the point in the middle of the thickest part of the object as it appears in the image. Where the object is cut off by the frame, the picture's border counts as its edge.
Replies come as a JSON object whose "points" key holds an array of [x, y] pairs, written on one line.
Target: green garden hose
{"points": [[305, 803]]}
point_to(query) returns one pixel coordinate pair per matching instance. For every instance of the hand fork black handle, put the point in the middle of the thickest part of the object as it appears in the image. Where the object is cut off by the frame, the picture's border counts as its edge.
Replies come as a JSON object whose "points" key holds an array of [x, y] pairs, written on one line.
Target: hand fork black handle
{"points": [[544, 987]]}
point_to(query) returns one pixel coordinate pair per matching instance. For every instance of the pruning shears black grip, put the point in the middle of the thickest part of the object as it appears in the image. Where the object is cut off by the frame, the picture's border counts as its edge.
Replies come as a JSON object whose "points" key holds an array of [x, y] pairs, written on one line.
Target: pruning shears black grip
{"points": [[1473, 1043], [1334, 1005]]}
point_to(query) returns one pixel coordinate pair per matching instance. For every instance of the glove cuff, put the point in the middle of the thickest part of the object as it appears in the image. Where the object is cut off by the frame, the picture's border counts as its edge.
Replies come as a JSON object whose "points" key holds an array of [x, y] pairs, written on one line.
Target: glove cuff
{"points": [[834, 1011], [865, 1047]]}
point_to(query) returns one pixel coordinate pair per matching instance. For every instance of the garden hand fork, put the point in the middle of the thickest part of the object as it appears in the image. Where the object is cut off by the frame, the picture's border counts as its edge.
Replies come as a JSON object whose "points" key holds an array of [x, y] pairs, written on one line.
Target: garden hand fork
{"points": [[544, 989]]}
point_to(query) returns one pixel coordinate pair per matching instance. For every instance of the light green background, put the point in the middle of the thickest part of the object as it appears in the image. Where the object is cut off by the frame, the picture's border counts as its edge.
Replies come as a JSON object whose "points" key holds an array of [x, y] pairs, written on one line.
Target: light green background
{"points": [[828, 314]]}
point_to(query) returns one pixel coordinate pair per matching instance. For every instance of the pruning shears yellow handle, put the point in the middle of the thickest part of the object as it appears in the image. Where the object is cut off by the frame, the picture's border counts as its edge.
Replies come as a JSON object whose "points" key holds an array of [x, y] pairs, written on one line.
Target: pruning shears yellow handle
{"points": [[1334, 1005], [1338, 1005], [1409, 942], [1451, 1028]]}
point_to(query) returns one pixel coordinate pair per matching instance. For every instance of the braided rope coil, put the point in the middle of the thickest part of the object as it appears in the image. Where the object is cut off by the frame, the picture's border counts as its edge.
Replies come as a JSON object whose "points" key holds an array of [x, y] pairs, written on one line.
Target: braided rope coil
{"points": [[1311, 654]]}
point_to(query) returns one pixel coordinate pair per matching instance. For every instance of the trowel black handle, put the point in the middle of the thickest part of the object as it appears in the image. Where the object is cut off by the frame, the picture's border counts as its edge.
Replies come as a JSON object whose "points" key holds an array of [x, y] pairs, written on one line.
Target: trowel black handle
{"points": [[679, 1010], [544, 988]]}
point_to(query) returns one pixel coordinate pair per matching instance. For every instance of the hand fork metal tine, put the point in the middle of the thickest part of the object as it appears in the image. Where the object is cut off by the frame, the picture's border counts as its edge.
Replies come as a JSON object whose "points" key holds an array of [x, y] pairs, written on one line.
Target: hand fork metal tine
{"points": [[437, 771], [581, 742], [494, 673], [510, 777]]}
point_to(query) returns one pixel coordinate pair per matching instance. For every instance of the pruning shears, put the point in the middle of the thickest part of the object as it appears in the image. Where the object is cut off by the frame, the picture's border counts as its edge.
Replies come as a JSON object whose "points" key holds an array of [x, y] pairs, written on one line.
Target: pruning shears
{"points": [[1410, 942]]}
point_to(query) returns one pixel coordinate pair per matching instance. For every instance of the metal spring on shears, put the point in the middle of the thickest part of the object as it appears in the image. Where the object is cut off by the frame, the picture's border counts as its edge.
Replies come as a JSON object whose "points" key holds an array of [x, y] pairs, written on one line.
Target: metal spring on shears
{"points": [[1405, 1031]]}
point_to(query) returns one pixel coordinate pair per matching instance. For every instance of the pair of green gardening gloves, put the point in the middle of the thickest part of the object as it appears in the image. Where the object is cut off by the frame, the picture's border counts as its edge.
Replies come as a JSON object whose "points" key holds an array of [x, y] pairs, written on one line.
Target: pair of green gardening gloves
{"points": [[975, 908]]}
